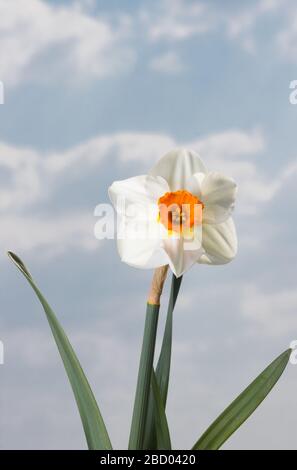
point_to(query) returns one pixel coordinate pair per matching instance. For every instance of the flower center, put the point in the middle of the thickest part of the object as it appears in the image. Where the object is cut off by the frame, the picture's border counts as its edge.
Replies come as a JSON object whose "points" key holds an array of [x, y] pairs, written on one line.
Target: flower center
{"points": [[180, 210]]}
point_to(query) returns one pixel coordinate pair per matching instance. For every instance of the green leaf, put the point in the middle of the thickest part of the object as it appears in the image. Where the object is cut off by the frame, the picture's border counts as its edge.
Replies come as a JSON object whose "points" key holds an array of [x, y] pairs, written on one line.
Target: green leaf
{"points": [[243, 406], [93, 424], [163, 366], [144, 378], [162, 430]]}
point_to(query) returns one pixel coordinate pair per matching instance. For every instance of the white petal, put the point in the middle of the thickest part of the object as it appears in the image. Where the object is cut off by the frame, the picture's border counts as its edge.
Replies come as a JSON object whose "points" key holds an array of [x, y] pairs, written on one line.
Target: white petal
{"points": [[194, 184], [218, 195], [140, 243], [182, 254], [177, 167], [219, 242], [142, 254], [142, 191], [139, 236]]}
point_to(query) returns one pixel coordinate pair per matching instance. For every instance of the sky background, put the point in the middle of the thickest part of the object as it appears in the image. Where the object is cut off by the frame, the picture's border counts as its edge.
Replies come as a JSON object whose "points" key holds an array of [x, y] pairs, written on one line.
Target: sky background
{"points": [[98, 91]]}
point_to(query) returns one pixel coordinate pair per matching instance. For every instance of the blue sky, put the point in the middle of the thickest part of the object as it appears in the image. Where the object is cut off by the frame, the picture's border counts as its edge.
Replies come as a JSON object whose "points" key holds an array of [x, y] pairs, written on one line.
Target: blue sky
{"points": [[98, 91]]}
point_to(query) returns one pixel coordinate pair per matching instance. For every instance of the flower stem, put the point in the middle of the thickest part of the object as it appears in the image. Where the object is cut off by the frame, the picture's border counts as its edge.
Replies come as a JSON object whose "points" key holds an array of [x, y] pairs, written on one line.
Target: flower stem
{"points": [[163, 367], [146, 360]]}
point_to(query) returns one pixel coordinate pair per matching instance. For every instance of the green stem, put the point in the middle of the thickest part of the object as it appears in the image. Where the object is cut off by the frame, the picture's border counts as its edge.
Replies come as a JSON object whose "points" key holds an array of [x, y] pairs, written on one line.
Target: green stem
{"points": [[164, 362], [144, 378], [163, 367]]}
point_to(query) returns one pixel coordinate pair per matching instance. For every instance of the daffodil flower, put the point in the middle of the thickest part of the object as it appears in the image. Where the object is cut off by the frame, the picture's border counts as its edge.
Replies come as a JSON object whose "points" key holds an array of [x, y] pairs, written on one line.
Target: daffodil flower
{"points": [[177, 215]]}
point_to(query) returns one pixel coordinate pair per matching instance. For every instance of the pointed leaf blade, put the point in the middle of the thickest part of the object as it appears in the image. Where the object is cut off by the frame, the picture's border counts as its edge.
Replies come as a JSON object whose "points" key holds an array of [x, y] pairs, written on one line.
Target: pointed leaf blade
{"points": [[93, 424], [162, 429], [243, 406]]}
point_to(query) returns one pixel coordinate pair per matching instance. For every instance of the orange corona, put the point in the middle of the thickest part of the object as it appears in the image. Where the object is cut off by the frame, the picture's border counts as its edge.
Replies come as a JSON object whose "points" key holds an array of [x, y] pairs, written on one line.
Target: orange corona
{"points": [[180, 210]]}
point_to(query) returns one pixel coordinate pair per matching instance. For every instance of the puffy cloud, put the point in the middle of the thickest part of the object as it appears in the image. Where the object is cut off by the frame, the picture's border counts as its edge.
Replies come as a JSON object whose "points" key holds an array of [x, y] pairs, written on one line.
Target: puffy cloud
{"points": [[240, 26], [48, 235], [71, 40], [21, 174], [230, 143], [230, 152], [125, 146], [33, 177], [179, 20], [176, 20], [45, 41]]}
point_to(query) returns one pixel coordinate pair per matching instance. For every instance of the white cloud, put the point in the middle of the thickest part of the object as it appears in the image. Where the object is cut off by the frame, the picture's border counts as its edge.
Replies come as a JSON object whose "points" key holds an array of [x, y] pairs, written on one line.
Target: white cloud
{"points": [[270, 313], [230, 143], [176, 20], [71, 42], [68, 37], [230, 152], [241, 25], [227, 151], [125, 146], [180, 20], [21, 175], [29, 175], [168, 63], [32, 177], [48, 235], [45, 41]]}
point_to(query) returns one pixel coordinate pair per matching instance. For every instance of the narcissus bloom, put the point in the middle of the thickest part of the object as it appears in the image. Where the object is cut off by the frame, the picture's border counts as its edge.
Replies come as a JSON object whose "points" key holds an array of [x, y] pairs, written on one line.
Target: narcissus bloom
{"points": [[179, 214]]}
